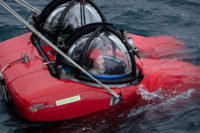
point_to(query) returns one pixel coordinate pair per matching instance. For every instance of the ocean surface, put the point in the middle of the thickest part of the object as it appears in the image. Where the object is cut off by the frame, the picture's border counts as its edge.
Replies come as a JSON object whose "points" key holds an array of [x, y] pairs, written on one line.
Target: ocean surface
{"points": [[174, 114]]}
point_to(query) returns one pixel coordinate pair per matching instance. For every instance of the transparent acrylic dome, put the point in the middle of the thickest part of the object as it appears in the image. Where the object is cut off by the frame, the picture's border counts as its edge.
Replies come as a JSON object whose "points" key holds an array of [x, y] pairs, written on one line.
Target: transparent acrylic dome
{"points": [[106, 55], [74, 18]]}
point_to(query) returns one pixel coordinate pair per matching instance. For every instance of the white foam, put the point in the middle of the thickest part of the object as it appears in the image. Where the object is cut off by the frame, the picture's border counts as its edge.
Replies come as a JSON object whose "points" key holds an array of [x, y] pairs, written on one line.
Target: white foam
{"points": [[166, 99]]}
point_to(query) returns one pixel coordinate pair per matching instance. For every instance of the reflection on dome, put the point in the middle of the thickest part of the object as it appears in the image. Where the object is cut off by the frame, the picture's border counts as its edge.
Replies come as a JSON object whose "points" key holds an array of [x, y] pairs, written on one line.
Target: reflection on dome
{"points": [[67, 17], [106, 55]]}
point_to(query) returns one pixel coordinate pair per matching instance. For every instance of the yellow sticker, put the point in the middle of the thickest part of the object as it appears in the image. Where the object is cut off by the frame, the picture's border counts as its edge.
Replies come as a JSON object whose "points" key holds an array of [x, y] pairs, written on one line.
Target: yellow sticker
{"points": [[68, 100]]}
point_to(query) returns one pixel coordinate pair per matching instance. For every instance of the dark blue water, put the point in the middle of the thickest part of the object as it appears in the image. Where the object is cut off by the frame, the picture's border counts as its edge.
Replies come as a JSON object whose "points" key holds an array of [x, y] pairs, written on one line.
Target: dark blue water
{"points": [[172, 114]]}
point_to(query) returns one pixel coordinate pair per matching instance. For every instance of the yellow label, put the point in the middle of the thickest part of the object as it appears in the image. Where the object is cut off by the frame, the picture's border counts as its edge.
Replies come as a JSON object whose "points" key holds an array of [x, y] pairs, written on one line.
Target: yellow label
{"points": [[68, 100]]}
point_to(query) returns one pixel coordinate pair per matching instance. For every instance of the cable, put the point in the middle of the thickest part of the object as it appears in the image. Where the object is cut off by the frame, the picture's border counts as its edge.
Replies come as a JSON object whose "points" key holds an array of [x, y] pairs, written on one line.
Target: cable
{"points": [[28, 6]]}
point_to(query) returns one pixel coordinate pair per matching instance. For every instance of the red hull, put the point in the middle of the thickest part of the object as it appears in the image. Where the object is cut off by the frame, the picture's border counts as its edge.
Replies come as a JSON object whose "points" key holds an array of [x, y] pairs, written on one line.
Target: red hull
{"points": [[160, 47], [40, 97]]}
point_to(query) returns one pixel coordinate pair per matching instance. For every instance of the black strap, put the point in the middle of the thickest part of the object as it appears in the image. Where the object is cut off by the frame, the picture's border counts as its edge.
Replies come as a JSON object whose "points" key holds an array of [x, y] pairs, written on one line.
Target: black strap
{"points": [[63, 15]]}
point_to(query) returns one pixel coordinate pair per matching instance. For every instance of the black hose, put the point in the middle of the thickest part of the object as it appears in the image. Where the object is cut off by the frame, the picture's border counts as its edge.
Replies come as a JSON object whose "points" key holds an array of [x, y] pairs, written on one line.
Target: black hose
{"points": [[50, 64]]}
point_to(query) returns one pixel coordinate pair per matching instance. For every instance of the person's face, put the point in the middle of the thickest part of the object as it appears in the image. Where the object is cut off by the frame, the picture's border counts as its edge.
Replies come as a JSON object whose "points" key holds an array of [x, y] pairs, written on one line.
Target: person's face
{"points": [[98, 63]]}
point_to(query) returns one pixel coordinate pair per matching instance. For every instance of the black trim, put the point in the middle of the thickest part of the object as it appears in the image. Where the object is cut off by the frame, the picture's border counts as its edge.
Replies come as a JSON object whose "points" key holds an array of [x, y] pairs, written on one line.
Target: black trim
{"points": [[138, 79], [116, 81], [132, 80]]}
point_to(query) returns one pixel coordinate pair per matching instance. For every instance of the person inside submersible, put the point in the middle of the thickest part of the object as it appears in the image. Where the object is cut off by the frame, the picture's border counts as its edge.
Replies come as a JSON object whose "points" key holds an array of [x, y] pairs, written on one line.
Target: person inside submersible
{"points": [[81, 31]]}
